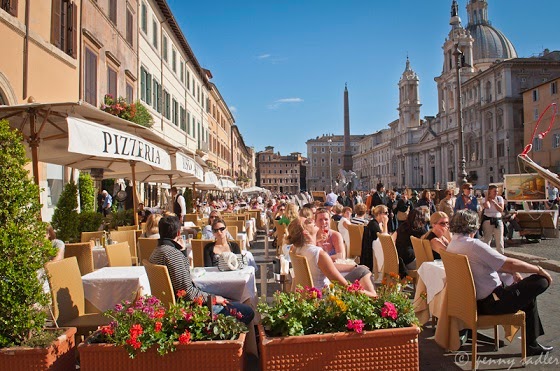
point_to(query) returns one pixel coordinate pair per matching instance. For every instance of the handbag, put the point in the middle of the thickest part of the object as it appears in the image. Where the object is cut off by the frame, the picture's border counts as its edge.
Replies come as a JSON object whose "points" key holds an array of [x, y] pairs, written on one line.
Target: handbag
{"points": [[229, 261], [402, 216]]}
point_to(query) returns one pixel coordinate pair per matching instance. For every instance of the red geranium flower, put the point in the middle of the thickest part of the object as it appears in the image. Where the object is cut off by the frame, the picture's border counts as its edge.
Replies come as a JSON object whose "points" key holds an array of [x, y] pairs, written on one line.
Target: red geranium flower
{"points": [[185, 338]]}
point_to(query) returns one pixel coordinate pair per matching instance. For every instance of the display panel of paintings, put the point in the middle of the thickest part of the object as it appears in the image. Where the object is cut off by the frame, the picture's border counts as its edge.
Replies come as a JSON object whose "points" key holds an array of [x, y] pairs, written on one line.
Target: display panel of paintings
{"points": [[525, 187]]}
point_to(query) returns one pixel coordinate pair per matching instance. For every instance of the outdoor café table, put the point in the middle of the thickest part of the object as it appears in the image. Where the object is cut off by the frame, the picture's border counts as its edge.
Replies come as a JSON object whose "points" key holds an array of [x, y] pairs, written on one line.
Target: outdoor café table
{"points": [[106, 287], [236, 285], [431, 297], [250, 228], [99, 257]]}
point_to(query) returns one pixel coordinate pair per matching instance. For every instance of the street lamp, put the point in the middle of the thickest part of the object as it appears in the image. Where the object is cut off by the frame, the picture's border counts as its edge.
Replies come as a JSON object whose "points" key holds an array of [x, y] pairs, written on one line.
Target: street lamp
{"points": [[330, 162], [462, 179]]}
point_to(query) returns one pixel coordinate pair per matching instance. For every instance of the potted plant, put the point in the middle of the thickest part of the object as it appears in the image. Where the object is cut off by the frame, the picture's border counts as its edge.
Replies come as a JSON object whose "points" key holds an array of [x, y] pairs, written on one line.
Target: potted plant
{"points": [[144, 335], [339, 328], [24, 344]]}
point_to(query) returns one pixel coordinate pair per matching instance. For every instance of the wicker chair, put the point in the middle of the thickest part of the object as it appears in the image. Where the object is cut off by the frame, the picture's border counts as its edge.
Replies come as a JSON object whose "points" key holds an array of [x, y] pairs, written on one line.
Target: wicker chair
{"points": [[118, 255], [127, 228], [280, 233], [146, 247], [334, 225], [420, 250], [198, 251], [240, 224], [160, 283], [87, 236], [390, 257], [232, 229], [68, 302], [129, 236], [428, 250], [461, 303], [356, 233], [84, 255], [302, 274]]}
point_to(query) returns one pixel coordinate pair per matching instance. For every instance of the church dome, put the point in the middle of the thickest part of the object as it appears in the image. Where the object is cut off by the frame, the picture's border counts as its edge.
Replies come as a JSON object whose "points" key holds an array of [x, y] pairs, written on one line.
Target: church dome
{"points": [[489, 43]]}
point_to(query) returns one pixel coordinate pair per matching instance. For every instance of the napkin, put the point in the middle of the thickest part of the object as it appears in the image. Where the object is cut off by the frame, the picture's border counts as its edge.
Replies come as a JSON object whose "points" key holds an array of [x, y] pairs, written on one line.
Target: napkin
{"points": [[231, 260]]}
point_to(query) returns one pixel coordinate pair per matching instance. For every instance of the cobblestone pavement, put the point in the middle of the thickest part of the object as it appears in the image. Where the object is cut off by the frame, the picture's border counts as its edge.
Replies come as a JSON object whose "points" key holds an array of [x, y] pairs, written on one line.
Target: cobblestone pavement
{"points": [[547, 254]]}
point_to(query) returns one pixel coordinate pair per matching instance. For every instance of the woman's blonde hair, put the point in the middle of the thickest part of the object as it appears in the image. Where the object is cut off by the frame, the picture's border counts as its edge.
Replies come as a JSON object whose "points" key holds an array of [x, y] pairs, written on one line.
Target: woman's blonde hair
{"points": [[152, 224], [435, 217], [296, 231], [291, 211], [337, 209], [306, 212], [379, 209]]}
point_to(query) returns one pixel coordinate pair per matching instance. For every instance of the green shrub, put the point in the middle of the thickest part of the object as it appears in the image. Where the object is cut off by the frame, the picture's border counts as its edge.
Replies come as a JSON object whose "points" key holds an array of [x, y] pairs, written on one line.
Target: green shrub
{"points": [[90, 221], [23, 246], [87, 193], [188, 194], [143, 116], [65, 218], [120, 218]]}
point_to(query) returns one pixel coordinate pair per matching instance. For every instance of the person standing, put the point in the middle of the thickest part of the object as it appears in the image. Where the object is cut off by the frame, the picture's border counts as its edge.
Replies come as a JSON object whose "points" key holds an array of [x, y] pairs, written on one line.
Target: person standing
{"points": [[107, 203], [179, 204], [446, 205], [466, 200], [491, 295], [377, 198], [492, 224]]}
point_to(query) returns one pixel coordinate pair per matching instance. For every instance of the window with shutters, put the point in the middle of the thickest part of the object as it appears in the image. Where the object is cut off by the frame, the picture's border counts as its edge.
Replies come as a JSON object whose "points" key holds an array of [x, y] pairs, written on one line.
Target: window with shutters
{"points": [[175, 116], [129, 92], [188, 122], [10, 6], [129, 27], [145, 86], [182, 119], [166, 105], [144, 18], [173, 59], [182, 71], [111, 82], [154, 33], [113, 11], [64, 26], [164, 48], [90, 77], [157, 96]]}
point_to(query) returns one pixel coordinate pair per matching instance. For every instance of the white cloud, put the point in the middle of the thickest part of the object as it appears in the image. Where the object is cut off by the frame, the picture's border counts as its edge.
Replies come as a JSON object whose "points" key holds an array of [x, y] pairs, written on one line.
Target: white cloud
{"points": [[263, 56], [233, 109], [277, 103]]}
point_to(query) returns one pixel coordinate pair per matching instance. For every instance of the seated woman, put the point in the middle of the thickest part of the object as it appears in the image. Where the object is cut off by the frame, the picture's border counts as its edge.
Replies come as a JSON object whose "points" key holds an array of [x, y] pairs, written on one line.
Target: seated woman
{"points": [[51, 235], [168, 253], [439, 234], [207, 233], [343, 223], [221, 244], [330, 240], [301, 235], [152, 230], [415, 225], [376, 225]]}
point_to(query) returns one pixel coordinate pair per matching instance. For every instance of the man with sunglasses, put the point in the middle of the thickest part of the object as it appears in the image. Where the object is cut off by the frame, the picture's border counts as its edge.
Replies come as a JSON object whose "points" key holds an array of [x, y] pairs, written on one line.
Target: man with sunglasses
{"points": [[466, 200], [207, 233]]}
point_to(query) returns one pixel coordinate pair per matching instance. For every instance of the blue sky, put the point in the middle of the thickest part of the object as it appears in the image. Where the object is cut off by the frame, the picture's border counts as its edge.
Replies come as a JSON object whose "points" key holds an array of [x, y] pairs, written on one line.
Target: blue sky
{"points": [[281, 65]]}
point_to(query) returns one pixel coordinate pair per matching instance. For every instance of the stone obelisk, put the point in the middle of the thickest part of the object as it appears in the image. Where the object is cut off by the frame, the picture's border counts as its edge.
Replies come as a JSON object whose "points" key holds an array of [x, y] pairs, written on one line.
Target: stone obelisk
{"points": [[347, 160]]}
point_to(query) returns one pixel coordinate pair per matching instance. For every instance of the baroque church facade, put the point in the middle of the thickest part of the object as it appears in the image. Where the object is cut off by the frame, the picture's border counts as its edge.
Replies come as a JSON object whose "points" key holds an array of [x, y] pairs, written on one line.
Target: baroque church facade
{"points": [[425, 153]]}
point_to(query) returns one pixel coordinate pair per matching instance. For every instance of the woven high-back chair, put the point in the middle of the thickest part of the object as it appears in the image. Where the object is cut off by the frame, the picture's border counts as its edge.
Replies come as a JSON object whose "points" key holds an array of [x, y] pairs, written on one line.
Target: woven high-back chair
{"points": [[419, 251], [68, 301], [83, 253], [240, 224], [390, 257], [232, 229], [356, 234], [333, 225], [146, 247], [281, 230], [160, 282], [191, 218], [197, 246], [428, 250], [302, 274], [130, 237], [87, 236], [127, 228], [118, 255], [461, 303]]}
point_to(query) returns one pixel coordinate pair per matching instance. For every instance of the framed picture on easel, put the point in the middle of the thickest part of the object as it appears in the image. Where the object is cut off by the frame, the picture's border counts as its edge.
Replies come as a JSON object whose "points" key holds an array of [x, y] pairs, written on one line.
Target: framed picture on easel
{"points": [[525, 187]]}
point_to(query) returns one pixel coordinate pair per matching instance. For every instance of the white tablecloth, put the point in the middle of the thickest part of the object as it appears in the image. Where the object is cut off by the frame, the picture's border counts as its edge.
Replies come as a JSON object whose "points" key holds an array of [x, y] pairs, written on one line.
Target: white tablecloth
{"points": [[99, 257], [433, 275], [236, 285], [242, 236], [106, 287]]}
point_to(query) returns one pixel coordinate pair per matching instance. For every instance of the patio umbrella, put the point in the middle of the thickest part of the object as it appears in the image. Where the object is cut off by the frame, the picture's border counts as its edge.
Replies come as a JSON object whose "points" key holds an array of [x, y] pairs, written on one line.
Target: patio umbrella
{"points": [[211, 182], [228, 185], [81, 136], [255, 189]]}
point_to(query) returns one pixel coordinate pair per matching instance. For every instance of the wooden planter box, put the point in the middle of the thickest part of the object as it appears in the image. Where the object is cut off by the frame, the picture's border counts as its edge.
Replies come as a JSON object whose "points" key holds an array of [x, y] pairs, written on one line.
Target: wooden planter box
{"points": [[390, 349], [199, 355], [60, 355]]}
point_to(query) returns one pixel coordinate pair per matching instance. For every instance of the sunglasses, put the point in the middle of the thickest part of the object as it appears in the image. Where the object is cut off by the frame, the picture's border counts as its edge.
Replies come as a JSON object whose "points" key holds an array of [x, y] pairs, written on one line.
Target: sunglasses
{"points": [[443, 223], [212, 216], [219, 230]]}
